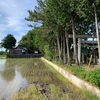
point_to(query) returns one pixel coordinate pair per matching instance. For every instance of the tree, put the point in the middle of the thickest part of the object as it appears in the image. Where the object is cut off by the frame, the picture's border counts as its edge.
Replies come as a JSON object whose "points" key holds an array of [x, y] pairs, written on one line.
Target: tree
{"points": [[45, 33], [23, 41], [65, 13], [28, 41], [60, 18], [38, 15], [8, 42]]}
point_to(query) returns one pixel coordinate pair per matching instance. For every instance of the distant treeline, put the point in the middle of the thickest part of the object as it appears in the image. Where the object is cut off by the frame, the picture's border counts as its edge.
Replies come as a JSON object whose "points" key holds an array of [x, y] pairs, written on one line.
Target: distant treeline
{"points": [[2, 52]]}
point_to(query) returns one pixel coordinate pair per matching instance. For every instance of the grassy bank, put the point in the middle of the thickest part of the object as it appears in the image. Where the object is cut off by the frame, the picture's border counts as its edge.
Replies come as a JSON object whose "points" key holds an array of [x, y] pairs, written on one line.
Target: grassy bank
{"points": [[92, 76]]}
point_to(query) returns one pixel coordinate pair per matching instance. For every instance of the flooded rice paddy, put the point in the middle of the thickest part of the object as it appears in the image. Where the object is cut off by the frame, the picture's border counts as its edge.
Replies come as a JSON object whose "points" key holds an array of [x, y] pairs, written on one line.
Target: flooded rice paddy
{"points": [[31, 79]]}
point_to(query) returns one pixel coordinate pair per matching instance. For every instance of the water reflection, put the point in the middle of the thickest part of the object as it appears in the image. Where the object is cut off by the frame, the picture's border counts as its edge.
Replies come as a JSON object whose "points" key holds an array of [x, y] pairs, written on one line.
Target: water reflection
{"points": [[6, 71], [11, 80], [2, 64], [8, 74]]}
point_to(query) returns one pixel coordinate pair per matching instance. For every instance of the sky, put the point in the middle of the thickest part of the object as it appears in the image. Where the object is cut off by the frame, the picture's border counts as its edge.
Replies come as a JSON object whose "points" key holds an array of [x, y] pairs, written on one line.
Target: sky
{"points": [[12, 17]]}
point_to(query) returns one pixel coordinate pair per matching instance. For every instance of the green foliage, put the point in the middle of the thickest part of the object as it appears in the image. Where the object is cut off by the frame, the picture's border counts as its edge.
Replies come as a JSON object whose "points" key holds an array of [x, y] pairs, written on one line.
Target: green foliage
{"points": [[39, 38], [59, 11], [8, 42], [90, 76], [2, 52], [39, 13], [77, 70], [27, 41], [48, 53], [94, 77], [23, 41], [54, 16]]}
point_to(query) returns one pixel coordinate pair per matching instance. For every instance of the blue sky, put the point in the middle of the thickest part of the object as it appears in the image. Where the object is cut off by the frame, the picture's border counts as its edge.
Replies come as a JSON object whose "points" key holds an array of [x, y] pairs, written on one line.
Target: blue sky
{"points": [[12, 17]]}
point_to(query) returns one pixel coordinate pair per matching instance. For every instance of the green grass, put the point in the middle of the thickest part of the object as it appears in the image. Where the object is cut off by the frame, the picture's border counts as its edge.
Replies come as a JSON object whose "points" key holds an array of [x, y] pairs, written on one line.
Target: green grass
{"points": [[92, 76]]}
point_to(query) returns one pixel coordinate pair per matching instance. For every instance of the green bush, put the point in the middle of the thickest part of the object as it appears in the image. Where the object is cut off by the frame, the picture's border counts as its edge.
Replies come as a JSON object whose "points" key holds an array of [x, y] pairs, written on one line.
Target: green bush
{"points": [[48, 53], [90, 76], [94, 77], [76, 70]]}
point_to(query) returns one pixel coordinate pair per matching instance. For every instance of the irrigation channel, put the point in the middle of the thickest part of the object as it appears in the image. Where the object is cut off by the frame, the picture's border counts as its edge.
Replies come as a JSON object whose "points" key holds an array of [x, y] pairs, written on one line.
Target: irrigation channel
{"points": [[32, 79]]}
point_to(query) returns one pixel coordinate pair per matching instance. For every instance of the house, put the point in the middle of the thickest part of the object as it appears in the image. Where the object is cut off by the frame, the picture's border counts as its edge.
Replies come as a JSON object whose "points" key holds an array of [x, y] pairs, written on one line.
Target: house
{"points": [[19, 50], [22, 52]]}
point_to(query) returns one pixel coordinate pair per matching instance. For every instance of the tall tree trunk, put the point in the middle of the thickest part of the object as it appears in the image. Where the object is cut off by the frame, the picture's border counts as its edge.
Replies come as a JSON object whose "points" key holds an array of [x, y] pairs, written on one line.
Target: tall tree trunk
{"points": [[79, 50], [97, 30], [59, 49], [64, 54], [67, 45], [55, 47], [74, 42], [61, 53]]}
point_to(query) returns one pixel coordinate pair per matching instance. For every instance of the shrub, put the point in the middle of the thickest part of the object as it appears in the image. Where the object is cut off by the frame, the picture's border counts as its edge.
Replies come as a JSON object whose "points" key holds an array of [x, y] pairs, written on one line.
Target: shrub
{"points": [[94, 77], [48, 53], [90, 76], [76, 70]]}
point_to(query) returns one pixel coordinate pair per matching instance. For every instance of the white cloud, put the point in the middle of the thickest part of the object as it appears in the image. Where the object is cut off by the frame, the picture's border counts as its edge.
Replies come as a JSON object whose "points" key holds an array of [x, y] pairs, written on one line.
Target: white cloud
{"points": [[12, 14]]}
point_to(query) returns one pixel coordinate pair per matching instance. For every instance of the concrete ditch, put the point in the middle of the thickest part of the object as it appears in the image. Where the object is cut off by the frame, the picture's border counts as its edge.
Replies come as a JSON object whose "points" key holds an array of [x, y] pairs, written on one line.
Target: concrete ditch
{"points": [[75, 80]]}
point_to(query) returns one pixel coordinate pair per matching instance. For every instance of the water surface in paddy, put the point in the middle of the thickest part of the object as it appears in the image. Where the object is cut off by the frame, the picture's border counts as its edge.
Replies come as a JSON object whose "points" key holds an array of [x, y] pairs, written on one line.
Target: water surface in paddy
{"points": [[16, 74], [11, 79]]}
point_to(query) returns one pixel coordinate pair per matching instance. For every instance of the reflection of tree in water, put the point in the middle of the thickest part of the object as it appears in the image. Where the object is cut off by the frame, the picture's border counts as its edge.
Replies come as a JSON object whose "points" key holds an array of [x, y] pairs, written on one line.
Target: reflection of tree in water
{"points": [[8, 74]]}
